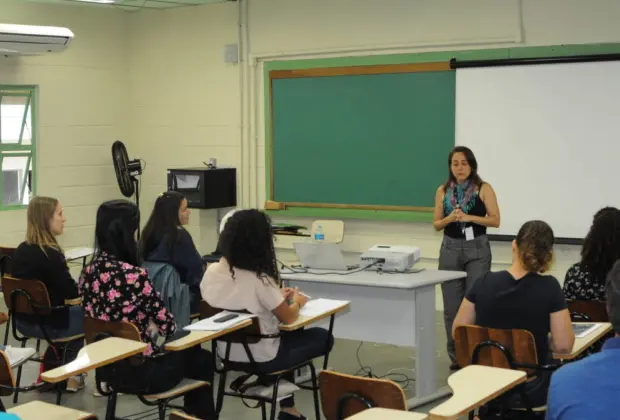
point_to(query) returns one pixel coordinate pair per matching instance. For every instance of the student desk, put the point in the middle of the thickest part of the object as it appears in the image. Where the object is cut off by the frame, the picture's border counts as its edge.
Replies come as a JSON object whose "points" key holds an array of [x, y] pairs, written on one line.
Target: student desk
{"points": [[473, 386], [581, 344], [305, 320], [36, 410], [387, 414], [101, 353], [387, 308], [199, 337]]}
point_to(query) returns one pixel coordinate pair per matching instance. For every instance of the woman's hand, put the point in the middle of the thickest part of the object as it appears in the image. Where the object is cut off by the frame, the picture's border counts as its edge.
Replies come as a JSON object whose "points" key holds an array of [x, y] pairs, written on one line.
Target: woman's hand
{"points": [[300, 299], [288, 292], [462, 216]]}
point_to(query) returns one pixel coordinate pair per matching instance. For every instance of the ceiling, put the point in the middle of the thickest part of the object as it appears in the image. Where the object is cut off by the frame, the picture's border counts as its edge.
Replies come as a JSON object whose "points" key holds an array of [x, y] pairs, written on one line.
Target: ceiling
{"points": [[136, 4]]}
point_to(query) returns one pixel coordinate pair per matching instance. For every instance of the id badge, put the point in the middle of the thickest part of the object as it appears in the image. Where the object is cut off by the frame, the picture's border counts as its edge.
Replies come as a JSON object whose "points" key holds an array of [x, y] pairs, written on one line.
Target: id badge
{"points": [[469, 233]]}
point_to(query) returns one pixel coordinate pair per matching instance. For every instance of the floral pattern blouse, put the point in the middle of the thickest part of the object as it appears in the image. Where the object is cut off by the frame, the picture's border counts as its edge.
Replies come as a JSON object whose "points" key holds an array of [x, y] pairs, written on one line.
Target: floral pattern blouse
{"points": [[113, 290], [580, 284]]}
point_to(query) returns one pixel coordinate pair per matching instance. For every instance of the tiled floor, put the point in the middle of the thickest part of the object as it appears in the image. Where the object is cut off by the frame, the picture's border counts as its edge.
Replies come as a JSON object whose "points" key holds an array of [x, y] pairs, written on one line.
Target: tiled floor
{"points": [[397, 362]]}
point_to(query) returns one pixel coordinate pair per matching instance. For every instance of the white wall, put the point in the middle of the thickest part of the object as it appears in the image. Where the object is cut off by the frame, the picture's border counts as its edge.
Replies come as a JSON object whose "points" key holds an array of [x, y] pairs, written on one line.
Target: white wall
{"points": [[82, 109]]}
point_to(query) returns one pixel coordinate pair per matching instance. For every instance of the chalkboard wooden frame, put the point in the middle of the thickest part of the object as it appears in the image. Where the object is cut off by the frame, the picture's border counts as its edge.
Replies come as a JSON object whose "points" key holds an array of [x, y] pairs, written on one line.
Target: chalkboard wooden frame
{"points": [[270, 204]]}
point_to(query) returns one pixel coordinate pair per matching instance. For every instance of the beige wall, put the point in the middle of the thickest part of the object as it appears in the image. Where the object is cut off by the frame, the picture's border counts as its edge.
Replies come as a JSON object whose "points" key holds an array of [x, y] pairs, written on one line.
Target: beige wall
{"points": [[82, 110], [165, 89]]}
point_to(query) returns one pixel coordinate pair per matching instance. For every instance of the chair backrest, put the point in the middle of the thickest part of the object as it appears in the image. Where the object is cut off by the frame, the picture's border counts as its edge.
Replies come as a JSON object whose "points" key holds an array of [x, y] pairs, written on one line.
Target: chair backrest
{"points": [[121, 329], [519, 344], [6, 253], [175, 294], [6, 375], [333, 230], [349, 391], [250, 334], [594, 310], [30, 296]]}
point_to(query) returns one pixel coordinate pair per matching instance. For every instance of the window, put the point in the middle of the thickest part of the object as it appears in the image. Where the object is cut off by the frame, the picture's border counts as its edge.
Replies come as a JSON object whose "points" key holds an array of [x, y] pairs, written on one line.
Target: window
{"points": [[17, 145]]}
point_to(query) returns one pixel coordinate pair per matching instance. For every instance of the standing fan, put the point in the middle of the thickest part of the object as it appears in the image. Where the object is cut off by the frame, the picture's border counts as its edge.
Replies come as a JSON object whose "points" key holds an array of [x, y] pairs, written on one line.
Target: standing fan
{"points": [[127, 172]]}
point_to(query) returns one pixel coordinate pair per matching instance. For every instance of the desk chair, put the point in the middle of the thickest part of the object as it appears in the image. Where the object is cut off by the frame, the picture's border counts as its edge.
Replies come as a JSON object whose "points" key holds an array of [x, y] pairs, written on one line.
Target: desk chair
{"points": [[8, 385], [6, 253], [588, 311], [508, 349], [30, 297], [332, 229], [95, 330], [178, 415], [246, 336], [345, 395]]}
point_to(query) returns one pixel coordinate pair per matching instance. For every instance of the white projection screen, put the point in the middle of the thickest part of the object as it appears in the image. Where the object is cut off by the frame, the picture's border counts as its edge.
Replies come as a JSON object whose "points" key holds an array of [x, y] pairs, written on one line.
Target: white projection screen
{"points": [[546, 137]]}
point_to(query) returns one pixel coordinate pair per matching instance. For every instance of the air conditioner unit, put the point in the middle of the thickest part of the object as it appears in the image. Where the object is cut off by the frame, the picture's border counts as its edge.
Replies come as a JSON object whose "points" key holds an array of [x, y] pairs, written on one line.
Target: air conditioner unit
{"points": [[33, 40]]}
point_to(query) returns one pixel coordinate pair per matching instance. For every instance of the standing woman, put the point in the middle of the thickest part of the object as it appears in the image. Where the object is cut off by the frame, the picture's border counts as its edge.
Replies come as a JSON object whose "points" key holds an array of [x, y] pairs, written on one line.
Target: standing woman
{"points": [[464, 207]]}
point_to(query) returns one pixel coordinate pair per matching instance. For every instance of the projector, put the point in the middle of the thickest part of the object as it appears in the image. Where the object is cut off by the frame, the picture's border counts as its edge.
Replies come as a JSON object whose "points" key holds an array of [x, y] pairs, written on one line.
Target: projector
{"points": [[397, 258]]}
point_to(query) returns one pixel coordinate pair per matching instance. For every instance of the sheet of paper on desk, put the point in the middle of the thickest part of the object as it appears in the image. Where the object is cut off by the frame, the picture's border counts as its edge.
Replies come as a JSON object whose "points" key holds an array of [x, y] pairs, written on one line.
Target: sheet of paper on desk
{"points": [[75, 253], [316, 307], [581, 330], [208, 324]]}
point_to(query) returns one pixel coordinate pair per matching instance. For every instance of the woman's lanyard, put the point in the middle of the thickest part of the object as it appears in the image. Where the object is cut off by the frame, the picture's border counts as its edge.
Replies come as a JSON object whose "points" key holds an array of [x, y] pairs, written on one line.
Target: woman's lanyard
{"points": [[468, 231]]}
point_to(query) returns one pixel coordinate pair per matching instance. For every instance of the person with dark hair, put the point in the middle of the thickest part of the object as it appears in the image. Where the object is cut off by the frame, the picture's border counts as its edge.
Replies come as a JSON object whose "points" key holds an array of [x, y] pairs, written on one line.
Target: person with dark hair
{"points": [[115, 288], [247, 278], [585, 280], [164, 239], [464, 207], [589, 388], [522, 298]]}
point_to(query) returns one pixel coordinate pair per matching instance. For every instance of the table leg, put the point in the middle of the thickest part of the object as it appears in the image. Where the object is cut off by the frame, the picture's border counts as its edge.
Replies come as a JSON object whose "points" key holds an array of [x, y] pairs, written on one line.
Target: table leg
{"points": [[425, 342]]}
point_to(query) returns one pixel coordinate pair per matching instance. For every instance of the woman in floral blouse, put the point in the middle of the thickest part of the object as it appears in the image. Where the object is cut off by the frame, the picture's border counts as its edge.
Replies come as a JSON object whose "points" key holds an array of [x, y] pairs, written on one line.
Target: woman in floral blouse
{"points": [[114, 287], [585, 280]]}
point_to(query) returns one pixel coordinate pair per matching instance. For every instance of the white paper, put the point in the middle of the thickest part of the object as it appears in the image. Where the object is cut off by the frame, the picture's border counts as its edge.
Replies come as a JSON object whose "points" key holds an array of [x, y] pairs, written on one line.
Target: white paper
{"points": [[208, 324], [469, 233], [317, 307], [75, 253], [592, 328]]}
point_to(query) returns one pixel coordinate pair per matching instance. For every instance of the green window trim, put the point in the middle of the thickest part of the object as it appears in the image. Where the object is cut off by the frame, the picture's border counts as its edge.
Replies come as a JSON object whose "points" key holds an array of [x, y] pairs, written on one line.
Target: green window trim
{"points": [[19, 149]]}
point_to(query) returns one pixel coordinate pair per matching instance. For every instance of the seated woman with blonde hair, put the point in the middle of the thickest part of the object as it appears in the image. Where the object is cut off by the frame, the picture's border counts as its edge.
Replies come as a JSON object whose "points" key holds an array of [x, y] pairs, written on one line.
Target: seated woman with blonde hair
{"points": [[41, 258], [522, 298]]}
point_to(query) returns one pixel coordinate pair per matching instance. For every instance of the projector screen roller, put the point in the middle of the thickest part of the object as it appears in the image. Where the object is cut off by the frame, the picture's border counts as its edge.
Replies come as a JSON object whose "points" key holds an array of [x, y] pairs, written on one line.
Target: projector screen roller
{"points": [[546, 137]]}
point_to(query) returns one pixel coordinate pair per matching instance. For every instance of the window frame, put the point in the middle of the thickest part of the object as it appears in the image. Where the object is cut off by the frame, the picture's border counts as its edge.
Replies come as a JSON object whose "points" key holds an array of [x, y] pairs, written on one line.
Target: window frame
{"points": [[18, 149]]}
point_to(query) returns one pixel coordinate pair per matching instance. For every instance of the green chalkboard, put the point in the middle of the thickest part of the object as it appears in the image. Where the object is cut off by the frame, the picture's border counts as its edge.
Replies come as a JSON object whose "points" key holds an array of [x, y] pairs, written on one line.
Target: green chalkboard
{"points": [[362, 140], [303, 65]]}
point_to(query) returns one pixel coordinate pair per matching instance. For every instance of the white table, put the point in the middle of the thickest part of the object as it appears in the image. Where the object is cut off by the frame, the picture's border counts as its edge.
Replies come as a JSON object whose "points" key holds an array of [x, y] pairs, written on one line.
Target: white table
{"points": [[385, 308]]}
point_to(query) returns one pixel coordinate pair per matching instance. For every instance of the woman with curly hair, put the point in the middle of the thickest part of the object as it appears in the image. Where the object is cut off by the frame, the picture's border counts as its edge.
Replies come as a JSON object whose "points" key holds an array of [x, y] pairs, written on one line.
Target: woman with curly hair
{"points": [[585, 280], [247, 278], [522, 298]]}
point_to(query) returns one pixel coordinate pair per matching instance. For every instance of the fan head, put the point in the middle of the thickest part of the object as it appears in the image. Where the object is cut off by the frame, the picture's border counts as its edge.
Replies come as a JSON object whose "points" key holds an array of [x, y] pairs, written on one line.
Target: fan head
{"points": [[126, 170]]}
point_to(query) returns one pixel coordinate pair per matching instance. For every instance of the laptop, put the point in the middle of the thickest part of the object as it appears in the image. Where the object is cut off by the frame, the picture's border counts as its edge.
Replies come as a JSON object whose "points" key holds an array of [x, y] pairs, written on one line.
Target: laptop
{"points": [[325, 256]]}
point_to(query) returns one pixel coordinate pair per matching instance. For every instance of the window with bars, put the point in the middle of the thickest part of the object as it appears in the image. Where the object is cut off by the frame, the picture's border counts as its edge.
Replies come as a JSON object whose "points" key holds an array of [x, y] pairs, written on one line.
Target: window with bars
{"points": [[17, 145]]}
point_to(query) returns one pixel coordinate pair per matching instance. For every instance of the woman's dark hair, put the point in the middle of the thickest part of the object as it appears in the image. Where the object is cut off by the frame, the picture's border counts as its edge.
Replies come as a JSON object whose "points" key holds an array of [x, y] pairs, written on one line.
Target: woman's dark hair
{"points": [[115, 229], [247, 244], [601, 246], [471, 160], [535, 245], [163, 223]]}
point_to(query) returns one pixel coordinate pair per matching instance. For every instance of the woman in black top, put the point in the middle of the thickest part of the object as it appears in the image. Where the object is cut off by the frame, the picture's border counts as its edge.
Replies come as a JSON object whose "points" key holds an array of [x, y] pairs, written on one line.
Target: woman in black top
{"points": [[164, 239], [41, 258], [522, 298], [585, 280], [464, 207]]}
